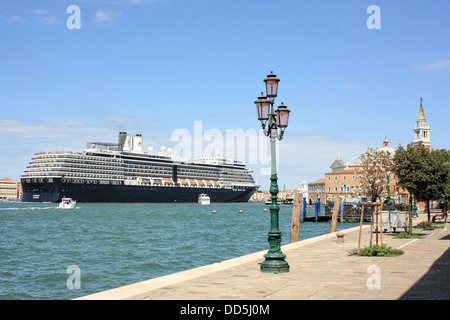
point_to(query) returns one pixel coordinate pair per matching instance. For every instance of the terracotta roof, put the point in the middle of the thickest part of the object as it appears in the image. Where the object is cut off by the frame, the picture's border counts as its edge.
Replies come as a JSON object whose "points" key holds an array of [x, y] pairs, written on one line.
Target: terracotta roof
{"points": [[317, 182], [355, 170]]}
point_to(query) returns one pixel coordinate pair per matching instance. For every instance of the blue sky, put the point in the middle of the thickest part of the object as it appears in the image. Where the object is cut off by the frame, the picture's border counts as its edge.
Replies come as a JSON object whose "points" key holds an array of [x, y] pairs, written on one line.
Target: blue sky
{"points": [[154, 66]]}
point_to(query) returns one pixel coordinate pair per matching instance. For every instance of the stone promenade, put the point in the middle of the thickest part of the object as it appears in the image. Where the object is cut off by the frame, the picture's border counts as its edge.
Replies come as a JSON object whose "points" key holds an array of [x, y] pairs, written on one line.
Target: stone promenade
{"points": [[321, 269]]}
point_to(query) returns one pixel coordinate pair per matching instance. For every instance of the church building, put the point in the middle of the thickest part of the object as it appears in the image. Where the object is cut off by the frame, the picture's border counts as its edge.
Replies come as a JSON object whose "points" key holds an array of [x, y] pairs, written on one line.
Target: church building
{"points": [[422, 130]]}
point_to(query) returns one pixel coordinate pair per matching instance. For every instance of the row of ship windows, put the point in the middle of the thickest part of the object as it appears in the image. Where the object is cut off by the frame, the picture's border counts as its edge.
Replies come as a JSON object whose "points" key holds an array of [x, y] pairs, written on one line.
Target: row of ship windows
{"points": [[82, 179], [147, 171], [75, 160], [77, 164], [93, 160], [89, 181], [124, 167]]}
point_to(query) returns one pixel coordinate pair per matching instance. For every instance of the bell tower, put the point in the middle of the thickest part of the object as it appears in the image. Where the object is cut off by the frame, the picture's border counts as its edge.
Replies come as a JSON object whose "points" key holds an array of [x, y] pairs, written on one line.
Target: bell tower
{"points": [[422, 130]]}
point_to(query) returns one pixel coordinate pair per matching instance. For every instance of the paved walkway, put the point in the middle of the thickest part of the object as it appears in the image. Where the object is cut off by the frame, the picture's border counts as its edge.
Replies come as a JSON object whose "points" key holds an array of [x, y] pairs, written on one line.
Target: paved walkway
{"points": [[321, 269]]}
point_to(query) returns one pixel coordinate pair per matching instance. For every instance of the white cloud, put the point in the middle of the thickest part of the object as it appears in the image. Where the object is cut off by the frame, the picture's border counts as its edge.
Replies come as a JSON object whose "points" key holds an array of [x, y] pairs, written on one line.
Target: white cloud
{"points": [[316, 93], [17, 19], [39, 11], [350, 85], [17, 128], [44, 16], [109, 117], [230, 114], [49, 20], [103, 16], [439, 65], [137, 2], [124, 2], [27, 131]]}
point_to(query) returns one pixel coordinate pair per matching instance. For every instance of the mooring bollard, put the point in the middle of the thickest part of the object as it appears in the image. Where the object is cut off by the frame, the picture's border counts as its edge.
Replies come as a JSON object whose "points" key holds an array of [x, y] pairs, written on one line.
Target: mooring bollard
{"points": [[340, 237]]}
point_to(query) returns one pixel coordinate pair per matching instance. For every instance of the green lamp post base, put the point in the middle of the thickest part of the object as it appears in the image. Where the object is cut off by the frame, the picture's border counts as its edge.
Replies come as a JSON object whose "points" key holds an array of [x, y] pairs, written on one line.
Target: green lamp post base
{"points": [[274, 264], [274, 259]]}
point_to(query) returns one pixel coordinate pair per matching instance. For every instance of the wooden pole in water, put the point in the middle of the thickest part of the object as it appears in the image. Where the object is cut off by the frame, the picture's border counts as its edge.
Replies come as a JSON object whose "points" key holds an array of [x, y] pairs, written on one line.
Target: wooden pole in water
{"points": [[334, 217], [360, 225], [296, 206]]}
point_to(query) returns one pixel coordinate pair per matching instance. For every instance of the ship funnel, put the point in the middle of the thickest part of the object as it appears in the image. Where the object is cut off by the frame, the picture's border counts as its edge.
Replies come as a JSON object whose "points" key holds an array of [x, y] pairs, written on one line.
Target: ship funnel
{"points": [[124, 141], [122, 137], [137, 143]]}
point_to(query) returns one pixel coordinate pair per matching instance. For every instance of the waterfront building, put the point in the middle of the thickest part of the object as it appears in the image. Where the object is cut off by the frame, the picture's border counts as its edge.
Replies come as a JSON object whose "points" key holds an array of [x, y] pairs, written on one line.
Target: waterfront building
{"points": [[9, 190], [344, 178], [341, 183], [422, 130], [316, 190], [260, 196]]}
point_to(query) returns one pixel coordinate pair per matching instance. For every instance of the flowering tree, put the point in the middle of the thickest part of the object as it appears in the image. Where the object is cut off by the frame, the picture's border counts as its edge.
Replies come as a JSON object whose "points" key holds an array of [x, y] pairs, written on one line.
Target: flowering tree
{"points": [[376, 165]]}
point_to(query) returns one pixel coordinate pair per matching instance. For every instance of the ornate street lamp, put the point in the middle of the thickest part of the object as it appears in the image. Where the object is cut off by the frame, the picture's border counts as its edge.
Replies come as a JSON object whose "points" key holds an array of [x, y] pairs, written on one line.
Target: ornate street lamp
{"points": [[263, 107], [271, 85], [274, 259]]}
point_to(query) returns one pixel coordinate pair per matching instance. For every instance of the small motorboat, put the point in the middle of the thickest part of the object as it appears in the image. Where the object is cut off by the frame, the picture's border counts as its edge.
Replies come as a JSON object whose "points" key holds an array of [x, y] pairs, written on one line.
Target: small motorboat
{"points": [[203, 198], [67, 203]]}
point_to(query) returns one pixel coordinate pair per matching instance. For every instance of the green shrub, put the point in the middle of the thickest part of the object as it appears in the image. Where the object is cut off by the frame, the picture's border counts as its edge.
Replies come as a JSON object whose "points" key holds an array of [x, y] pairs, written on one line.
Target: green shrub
{"points": [[407, 235], [425, 226], [380, 251]]}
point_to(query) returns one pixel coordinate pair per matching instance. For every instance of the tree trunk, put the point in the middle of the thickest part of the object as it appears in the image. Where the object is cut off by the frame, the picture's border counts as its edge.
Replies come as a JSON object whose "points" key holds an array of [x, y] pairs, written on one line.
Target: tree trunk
{"points": [[428, 209], [410, 215]]}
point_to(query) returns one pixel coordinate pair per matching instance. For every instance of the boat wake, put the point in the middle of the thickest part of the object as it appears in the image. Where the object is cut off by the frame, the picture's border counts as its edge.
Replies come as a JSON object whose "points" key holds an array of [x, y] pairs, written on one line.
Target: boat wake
{"points": [[33, 208]]}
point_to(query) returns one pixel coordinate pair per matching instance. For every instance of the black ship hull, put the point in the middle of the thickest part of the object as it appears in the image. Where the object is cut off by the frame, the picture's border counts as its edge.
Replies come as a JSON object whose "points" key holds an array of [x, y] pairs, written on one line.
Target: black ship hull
{"points": [[55, 190]]}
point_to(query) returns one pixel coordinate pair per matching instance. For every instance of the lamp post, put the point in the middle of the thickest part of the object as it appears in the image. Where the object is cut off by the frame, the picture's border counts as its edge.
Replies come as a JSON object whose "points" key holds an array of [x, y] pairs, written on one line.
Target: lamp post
{"points": [[273, 119], [388, 202]]}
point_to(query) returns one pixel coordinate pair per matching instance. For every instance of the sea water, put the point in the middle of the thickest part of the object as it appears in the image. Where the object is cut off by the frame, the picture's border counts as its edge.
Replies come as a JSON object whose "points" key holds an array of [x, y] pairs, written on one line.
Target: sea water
{"points": [[111, 245]]}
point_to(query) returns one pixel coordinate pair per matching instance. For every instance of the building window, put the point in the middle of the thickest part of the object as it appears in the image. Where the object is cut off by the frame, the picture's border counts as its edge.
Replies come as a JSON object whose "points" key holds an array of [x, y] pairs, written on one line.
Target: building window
{"points": [[329, 189], [329, 178], [345, 178], [335, 178]]}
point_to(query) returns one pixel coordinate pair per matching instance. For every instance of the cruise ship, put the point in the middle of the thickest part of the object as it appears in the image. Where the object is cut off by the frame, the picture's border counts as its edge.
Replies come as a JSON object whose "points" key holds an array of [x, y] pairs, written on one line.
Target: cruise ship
{"points": [[123, 172]]}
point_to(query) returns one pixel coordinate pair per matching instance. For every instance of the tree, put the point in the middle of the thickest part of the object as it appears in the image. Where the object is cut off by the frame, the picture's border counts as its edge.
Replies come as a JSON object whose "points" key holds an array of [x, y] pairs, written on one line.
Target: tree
{"points": [[376, 165], [423, 173]]}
